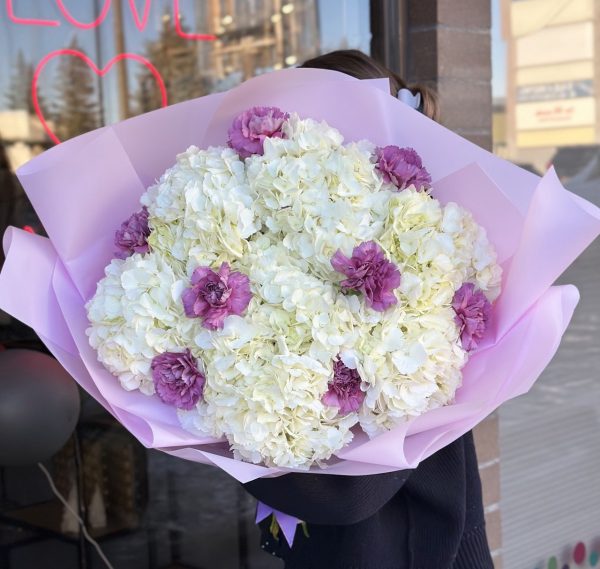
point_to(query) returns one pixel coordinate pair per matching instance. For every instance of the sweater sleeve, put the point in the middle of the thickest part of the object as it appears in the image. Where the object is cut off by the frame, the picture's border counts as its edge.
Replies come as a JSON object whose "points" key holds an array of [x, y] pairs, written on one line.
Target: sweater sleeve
{"points": [[328, 499]]}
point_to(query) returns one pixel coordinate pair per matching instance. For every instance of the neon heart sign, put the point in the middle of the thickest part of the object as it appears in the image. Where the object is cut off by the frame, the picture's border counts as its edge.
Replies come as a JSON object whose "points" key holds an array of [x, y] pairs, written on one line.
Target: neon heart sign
{"points": [[140, 19], [96, 70]]}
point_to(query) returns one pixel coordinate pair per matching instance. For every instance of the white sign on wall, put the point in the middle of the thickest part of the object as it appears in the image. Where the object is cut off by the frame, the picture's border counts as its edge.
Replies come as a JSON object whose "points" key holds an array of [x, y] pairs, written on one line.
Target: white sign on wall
{"points": [[564, 113], [557, 44]]}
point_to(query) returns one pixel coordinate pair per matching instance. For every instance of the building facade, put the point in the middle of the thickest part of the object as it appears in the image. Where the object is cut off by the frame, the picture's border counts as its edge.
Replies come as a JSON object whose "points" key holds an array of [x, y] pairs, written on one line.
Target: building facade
{"points": [[553, 70]]}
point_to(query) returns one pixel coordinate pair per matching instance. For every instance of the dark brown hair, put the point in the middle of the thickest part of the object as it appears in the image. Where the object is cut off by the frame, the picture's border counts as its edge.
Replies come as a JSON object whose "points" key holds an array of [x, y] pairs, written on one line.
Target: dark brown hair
{"points": [[357, 64]]}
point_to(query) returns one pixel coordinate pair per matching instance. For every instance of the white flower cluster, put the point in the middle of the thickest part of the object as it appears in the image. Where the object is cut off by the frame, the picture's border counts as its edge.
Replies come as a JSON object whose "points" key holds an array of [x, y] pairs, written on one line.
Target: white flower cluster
{"points": [[279, 218]]}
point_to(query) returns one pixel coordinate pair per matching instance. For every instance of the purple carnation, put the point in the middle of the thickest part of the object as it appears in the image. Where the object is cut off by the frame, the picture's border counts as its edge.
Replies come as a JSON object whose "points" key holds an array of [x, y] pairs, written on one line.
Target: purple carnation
{"points": [[472, 310], [370, 272], [214, 296], [177, 379], [402, 167], [133, 235], [250, 128], [344, 390]]}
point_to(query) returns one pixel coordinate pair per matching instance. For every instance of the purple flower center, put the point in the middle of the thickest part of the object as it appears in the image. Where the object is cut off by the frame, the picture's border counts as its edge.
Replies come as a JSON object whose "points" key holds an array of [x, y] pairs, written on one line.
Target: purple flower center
{"points": [[344, 390], [215, 295], [472, 312], [132, 237], [402, 167], [250, 129], [369, 272], [177, 379]]}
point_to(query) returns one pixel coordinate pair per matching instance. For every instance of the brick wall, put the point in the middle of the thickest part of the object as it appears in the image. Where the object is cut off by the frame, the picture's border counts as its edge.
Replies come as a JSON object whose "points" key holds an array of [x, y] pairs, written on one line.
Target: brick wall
{"points": [[488, 453], [447, 45]]}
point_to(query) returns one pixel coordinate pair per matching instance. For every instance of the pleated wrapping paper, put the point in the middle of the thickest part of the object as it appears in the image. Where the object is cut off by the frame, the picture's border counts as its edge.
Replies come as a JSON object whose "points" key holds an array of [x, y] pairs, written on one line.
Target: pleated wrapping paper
{"points": [[82, 189]]}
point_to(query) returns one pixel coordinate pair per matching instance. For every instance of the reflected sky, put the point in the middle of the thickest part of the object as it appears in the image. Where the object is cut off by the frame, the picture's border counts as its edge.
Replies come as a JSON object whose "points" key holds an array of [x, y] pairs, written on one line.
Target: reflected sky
{"points": [[498, 53]]}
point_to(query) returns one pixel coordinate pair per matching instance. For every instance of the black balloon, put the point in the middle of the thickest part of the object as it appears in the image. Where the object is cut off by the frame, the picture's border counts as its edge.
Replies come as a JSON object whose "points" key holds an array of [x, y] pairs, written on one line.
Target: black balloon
{"points": [[39, 407]]}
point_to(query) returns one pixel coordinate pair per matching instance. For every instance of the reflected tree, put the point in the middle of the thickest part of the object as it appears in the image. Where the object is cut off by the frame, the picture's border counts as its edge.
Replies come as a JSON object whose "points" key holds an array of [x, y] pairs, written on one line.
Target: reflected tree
{"points": [[75, 110], [176, 59], [18, 96]]}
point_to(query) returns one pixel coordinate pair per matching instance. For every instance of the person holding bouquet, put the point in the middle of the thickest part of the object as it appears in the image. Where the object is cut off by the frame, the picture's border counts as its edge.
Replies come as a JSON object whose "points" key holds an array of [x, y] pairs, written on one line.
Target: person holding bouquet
{"points": [[428, 518], [310, 284]]}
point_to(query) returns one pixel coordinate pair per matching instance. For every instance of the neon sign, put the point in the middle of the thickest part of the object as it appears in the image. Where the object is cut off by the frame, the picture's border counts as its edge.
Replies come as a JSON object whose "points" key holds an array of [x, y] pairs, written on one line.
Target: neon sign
{"points": [[101, 17], [96, 70], [27, 21], [179, 30], [140, 23]]}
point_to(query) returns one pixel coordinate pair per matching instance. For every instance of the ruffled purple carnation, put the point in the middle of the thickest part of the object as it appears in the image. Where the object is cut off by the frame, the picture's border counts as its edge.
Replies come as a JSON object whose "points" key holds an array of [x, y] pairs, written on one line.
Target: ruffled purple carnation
{"points": [[177, 379], [132, 237], [369, 272], [215, 295], [344, 390], [250, 128], [472, 310], [402, 167]]}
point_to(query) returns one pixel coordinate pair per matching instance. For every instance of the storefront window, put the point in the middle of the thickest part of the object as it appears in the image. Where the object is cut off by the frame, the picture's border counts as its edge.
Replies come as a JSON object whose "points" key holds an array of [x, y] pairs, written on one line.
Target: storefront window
{"points": [[70, 67], [76, 66]]}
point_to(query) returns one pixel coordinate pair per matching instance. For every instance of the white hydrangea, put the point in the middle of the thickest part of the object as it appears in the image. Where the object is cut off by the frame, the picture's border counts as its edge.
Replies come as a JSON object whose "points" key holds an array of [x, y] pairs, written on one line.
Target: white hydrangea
{"points": [[136, 314], [202, 208], [317, 194], [411, 363], [279, 218], [437, 248]]}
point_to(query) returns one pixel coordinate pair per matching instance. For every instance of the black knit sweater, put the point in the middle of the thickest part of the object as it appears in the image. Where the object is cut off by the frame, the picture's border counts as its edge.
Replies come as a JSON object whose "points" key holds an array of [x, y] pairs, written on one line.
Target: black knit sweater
{"points": [[427, 518]]}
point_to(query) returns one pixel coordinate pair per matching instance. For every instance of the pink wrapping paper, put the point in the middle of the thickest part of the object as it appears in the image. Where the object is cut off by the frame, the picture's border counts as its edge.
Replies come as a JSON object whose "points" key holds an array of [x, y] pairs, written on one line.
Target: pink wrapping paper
{"points": [[83, 188]]}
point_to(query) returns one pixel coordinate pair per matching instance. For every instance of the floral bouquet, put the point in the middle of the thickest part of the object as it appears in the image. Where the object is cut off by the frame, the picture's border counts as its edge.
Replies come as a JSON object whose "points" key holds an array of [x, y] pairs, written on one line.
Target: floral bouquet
{"points": [[283, 289], [302, 273]]}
